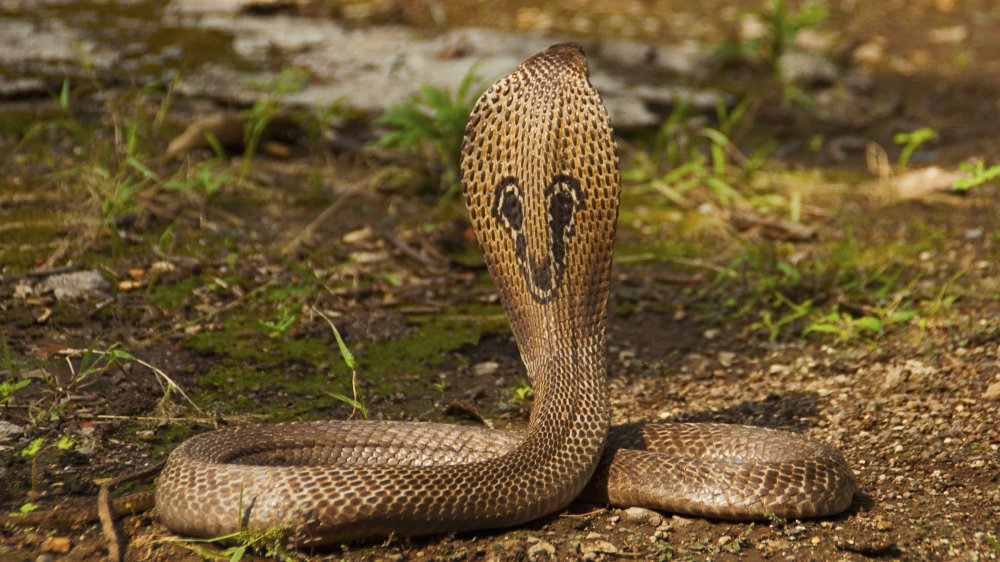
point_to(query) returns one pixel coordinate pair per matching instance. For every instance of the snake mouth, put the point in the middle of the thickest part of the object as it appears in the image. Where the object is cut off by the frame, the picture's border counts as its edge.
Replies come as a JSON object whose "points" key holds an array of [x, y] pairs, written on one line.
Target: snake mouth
{"points": [[542, 272]]}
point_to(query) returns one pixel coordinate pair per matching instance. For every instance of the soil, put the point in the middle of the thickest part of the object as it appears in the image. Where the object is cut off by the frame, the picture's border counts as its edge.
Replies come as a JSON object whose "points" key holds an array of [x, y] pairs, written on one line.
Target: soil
{"points": [[198, 286]]}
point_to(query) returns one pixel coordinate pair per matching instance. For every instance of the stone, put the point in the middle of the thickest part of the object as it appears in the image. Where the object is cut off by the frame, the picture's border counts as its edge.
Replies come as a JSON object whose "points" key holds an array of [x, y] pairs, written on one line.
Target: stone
{"points": [[541, 550], [642, 515], [79, 284], [9, 431]]}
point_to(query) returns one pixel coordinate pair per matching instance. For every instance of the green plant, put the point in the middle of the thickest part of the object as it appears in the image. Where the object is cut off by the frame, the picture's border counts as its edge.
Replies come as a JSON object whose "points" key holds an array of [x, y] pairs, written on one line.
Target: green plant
{"points": [[282, 323], [942, 299], [64, 96], [685, 154], [992, 541], [735, 545], [11, 385], [207, 177], [978, 174], [844, 325], [523, 390], [264, 110], [34, 451], [911, 141], [781, 25], [355, 402], [269, 543], [441, 385], [796, 311], [92, 364], [433, 121], [25, 509]]}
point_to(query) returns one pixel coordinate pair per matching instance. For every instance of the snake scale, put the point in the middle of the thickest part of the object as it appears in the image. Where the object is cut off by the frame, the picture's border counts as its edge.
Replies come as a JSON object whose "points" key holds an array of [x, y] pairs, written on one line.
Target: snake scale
{"points": [[541, 177]]}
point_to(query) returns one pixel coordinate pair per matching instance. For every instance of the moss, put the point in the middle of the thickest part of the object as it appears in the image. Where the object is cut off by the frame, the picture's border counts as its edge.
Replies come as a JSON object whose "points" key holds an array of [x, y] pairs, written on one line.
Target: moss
{"points": [[291, 377], [433, 341], [162, 440], [170, 296]]}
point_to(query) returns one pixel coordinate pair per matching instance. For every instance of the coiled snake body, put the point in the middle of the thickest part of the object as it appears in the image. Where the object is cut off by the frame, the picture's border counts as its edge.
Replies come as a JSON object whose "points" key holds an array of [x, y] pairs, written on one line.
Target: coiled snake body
{"points": [[541, 176]]}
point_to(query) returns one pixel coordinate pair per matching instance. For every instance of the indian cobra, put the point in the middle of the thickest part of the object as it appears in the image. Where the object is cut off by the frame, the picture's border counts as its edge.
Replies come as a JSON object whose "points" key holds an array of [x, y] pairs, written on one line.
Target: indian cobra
{"points": [[541, 176]]}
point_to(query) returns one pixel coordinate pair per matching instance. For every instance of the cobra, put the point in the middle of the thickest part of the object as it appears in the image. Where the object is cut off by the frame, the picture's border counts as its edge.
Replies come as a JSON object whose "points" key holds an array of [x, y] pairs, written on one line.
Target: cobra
{"points": [[541, 177]]}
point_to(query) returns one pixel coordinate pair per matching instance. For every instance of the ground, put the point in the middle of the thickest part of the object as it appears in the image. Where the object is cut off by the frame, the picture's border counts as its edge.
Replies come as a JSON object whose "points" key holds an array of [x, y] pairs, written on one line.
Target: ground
{"points": [[853, 300]]}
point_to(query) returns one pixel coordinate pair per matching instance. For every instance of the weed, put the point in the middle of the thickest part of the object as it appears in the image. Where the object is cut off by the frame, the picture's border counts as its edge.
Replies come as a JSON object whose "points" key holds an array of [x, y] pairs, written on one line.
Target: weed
{"points": [[355, 402], [269, 543], [282, 323], [11, 385], [942, 299], [208, 177], [684, 154], [264, 110], [911, 142], [780, 28], [992, 541], [35, 450], [523, 390], [774, 327], [25, 509], [92, 364], [441, 385], [64, 96], [735, 545], [978, 174], [843, 325], [433, 121]]}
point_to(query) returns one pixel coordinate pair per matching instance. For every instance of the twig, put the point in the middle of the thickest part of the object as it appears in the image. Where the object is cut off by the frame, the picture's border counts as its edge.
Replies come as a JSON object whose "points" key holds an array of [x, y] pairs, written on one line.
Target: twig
{"points": [[704, 265], [106, 512], [238, 300], [413, 252], [166, 418], [184, 261], [44, 272], [292, 246], [170, 382]]}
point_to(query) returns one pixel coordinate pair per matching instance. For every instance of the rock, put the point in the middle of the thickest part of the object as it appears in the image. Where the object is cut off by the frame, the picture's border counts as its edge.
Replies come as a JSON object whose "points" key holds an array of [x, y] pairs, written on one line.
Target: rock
{"points": [[20, 88], [909, 374], [918, 184], [726, 358], [590, 550], [680, 521], [56, 544], [948, 35], [9, 431], [807, 69], [992, 391], [541, 550], [75, 285], [642, 515], [485, 368]]}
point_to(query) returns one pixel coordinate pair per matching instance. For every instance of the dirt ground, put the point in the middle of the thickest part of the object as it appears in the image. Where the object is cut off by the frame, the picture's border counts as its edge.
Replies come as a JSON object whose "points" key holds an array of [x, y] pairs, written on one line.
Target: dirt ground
{"points": [[710, 320]]}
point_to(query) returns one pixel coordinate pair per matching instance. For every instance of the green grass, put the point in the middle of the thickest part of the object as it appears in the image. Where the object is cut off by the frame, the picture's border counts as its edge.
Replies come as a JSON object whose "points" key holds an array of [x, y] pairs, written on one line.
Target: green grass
{"points": [[911, 141], [976, 174], [689, 162], [429, 126]]}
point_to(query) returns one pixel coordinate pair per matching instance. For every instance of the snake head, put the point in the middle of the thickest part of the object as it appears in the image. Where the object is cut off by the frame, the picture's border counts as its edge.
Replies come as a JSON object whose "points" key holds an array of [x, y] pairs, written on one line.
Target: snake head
{"points": [[541, 177]]}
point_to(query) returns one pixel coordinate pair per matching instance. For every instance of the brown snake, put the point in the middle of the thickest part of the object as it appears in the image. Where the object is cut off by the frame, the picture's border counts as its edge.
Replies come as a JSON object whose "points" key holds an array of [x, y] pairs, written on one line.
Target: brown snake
{"points": [[541, 176]]}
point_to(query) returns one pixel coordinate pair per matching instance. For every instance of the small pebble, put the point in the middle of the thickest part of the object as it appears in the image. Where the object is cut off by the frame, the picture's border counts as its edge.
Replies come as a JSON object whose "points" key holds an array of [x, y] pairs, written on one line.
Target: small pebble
{"points": [[642, 515], [9, 431], [485, 368], [541, 549]]}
